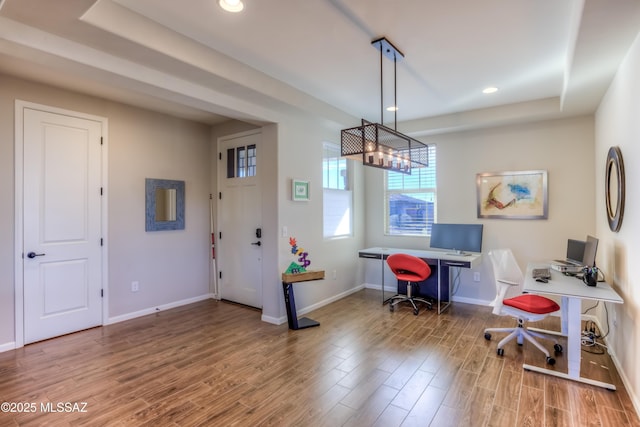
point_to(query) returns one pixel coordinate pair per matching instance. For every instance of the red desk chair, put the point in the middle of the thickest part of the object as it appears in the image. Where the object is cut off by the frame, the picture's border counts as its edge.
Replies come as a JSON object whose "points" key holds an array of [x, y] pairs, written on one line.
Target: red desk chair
{"points": [[524, 307], [413, 270]]}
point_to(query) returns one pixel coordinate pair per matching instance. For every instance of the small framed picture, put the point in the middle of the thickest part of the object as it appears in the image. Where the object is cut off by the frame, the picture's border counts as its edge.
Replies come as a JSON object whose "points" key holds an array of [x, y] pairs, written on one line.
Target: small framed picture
{"points": [[299, 190]]}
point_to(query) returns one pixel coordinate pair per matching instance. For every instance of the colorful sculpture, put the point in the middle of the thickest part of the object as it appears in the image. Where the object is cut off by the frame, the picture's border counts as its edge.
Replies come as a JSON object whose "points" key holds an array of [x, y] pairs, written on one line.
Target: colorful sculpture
{"points": [[302, 258]]}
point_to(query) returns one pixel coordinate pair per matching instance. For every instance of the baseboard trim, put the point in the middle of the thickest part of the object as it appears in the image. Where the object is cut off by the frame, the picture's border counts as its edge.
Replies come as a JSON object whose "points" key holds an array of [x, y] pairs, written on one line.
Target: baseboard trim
{"points": [[470, 300], [151, 310], [616, 362], [273, 320], [7, 346], [283, 319], [379, 287]]}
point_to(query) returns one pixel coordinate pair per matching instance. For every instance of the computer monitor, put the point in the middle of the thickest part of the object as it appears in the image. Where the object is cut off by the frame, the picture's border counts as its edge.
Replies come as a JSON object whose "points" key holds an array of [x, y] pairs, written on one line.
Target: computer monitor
{"points": [[575, 251], [457, 237], [590, 249]]}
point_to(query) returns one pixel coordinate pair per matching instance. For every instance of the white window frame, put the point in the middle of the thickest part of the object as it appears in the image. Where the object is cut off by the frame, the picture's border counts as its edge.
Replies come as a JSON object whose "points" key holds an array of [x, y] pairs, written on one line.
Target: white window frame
{"points": [[337, 197], [426, 191]]}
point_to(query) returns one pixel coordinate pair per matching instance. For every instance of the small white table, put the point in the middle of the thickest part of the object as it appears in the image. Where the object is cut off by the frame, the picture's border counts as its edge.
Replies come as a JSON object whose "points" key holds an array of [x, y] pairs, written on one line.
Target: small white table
{"points": [[572, 291], [442, 259]]}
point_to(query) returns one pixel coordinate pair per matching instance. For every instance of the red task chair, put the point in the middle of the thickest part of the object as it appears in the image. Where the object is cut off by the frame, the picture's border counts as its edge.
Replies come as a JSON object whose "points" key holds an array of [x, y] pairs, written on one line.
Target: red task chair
{"points": [[413, 270], [524, 307]]}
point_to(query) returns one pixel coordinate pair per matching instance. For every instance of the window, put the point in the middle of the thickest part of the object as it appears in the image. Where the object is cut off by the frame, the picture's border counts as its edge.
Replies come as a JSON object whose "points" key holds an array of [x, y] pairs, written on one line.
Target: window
{"points": [[337, 197], [410, 200], [241, 162]]}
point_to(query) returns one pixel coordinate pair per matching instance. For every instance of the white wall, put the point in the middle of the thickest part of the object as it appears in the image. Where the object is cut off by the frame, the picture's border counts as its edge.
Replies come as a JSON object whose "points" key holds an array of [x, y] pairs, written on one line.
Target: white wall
{"points": [[293, 149], [171, 266], [565, 148], [300, 156], [617, 124]]}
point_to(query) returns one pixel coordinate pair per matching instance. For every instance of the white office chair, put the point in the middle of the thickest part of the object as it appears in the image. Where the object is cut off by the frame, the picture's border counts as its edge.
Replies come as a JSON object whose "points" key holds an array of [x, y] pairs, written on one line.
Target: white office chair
{"points": [[523, 307]]}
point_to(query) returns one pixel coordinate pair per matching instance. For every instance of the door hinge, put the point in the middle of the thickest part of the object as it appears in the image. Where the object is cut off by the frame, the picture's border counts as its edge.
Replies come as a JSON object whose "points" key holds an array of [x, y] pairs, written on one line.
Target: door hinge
{"points": [[101, 141], [101, 241], [102, 293], [220, 195], [101, 191], [220, 274], [220, 235], [220, 155]]}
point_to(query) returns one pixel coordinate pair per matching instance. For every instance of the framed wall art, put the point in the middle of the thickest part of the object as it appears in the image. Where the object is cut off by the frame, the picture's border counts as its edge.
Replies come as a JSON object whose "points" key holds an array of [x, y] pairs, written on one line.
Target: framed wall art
{"points": [[164, 204], [512, 195], [299, 190]]}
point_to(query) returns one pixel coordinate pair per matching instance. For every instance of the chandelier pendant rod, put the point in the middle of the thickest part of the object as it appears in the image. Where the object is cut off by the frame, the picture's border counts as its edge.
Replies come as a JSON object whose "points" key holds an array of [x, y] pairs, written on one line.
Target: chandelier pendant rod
{"points": [[395, 93], [395, 53], [381, 91]]}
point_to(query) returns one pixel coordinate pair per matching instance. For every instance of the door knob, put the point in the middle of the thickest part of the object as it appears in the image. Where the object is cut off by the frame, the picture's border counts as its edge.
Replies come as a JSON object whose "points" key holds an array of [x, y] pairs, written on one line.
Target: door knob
{"points": [[33, 255], [257, 243]]}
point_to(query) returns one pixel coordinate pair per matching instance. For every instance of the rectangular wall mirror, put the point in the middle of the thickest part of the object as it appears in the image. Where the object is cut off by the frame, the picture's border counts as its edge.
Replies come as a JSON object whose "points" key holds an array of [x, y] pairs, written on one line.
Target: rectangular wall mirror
{"points": [[164, 204]]}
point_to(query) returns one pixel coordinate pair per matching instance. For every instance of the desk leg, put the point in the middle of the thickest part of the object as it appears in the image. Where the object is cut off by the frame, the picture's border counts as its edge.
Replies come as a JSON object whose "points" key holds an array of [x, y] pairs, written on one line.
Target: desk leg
{"points": [[292, 317], [573, 336], [564, 316], [571, 318], [385, 300], [442, 307]]}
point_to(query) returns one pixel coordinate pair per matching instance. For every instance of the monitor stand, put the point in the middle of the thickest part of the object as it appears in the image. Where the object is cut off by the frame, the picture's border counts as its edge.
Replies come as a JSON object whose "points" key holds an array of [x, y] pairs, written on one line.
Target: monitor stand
{"points": [[459, 253]]}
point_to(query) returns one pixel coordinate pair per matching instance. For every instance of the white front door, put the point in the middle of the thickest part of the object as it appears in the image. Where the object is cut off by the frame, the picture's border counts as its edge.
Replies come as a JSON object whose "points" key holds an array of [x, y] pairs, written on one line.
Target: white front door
{"points": [[240, 225], [62, 259]]}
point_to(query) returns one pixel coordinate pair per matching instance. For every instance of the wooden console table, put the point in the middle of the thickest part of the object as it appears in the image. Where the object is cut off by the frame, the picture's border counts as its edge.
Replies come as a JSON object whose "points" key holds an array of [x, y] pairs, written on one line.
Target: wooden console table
{"points": [[287, 286]]}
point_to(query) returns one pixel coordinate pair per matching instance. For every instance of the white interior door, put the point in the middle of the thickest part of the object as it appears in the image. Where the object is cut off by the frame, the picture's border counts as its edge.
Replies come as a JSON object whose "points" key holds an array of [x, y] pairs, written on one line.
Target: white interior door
{"points": [[240, 220], [62, 259]]}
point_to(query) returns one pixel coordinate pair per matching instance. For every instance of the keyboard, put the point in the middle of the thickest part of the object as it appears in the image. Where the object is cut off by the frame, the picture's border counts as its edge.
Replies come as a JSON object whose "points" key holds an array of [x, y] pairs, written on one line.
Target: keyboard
{"points": [[541, 273]]}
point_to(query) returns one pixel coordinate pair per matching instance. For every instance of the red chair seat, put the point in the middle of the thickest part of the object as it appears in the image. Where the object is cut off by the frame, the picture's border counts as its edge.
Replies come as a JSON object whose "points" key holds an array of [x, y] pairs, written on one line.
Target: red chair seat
{"points": [[408, 267], [532, 304]]}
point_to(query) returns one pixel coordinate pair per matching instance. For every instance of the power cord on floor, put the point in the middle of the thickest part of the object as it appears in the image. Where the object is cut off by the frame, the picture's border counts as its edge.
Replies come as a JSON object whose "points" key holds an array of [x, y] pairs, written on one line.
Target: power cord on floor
{"points": [[591, 336]]}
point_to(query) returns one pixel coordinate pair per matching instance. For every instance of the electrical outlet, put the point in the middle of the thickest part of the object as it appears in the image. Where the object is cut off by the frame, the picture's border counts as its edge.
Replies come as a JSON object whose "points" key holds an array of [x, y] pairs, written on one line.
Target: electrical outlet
{"points": [[476, 276], [135, 286]]}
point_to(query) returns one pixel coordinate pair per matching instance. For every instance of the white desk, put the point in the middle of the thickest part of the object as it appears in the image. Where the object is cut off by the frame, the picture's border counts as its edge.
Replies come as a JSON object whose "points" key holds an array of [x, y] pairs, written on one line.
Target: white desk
{"points": [[572, 291], [442, 259]]}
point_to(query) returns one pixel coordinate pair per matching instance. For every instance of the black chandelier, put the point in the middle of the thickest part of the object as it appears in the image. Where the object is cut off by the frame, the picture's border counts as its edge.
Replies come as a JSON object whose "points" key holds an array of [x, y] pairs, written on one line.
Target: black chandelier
{"points": [[377, 145]]}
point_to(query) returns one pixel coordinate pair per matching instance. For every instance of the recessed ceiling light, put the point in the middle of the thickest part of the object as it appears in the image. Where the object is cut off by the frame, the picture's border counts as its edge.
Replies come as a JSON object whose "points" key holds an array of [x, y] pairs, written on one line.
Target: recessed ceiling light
{"points": [[392, 108], [231, 5], [490, 89]]}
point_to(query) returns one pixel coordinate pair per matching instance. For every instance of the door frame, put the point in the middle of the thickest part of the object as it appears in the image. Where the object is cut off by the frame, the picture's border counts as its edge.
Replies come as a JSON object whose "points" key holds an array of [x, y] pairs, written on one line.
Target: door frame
{"points": [[20, 106], [219, 244]]}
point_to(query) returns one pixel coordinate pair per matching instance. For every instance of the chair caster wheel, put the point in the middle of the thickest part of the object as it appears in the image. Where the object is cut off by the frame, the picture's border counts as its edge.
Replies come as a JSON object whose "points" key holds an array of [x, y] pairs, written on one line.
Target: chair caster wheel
{"points": [[551, 361], [557, 348], [391, 307], [487, 336], [500, 352], [415, 311]]}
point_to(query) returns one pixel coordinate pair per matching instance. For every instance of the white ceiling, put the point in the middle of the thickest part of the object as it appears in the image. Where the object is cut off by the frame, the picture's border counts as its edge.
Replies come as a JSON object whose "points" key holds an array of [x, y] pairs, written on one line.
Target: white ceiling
{"points": [[192, 59]]}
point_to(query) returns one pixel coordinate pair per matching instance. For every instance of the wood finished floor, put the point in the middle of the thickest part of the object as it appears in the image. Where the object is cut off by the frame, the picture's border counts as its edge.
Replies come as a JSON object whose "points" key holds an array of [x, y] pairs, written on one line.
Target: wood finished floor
{"points": [[216, 364]]}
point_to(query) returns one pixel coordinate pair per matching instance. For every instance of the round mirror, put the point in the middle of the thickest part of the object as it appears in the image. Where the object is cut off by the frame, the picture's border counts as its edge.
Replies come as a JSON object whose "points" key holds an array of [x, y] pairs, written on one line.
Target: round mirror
{"points": [[614, 188]]}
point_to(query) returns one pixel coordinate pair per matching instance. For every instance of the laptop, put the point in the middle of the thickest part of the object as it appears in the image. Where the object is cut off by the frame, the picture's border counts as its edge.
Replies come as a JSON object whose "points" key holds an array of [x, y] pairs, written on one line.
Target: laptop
{"points": [[575, 255]]}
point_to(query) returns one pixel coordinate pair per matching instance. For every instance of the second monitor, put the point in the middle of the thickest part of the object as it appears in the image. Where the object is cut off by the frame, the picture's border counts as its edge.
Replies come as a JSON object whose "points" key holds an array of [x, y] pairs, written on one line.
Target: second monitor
{"points": [[459, 238]]}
